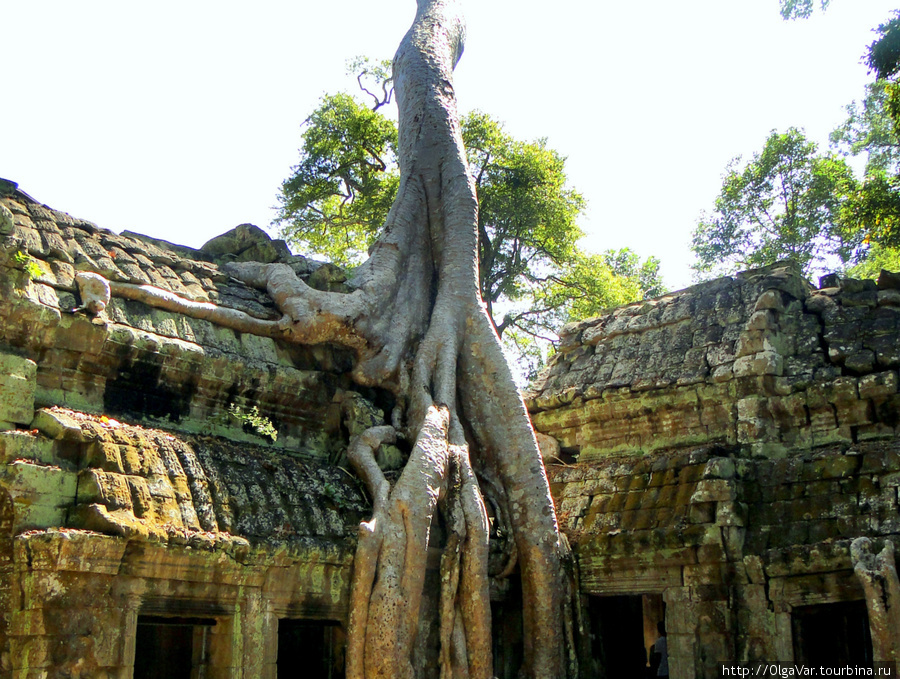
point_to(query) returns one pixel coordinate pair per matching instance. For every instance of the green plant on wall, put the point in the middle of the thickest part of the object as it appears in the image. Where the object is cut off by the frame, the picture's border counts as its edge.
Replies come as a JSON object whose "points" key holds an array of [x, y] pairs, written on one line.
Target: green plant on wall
{"points": [[28, 264], [251, 419], [333, 493]]}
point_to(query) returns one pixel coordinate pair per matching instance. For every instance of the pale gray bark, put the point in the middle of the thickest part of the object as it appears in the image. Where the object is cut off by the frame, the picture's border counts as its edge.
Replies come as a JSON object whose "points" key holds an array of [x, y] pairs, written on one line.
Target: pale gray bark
{"points": [[878, 575], [419, 328]]}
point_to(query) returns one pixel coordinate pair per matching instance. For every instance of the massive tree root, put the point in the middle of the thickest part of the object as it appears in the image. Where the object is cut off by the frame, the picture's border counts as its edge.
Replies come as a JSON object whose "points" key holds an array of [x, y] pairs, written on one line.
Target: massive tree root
{"points": [[418, 326], [878, 575]]}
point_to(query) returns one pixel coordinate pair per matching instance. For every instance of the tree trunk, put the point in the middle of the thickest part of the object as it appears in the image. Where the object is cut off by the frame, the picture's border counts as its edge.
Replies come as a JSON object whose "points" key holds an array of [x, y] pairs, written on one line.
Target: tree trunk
{"points": [[878, 575], [419, 328]]}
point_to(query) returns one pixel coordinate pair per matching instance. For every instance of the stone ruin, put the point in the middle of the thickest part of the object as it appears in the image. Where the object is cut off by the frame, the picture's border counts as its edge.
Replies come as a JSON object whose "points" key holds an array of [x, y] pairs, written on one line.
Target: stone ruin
{"points": [[724, 447], [174, 500]]}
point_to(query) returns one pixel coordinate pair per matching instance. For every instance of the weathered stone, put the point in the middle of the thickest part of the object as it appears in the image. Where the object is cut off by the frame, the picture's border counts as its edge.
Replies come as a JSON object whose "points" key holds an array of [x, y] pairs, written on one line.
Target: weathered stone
{"points": [[888, 280], [719, 468], [329, 278], [57, 424], [238, 240], [549, 446], [7, 221], [770, 299], [713, 490], [830, 280], [878, 385], [860, 361], [853, 286], [762, 363], [675, 409], [867, 298], [762, 320], [17, 388], [889, 297]]}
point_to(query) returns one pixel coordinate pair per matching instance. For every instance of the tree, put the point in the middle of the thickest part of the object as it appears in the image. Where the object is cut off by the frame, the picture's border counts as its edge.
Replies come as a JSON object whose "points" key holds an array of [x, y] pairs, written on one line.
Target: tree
{"points": [[876, 259], [348, 151], [870, 129], [532, 275], [418, 328], [883, 56], [527, 215], [872, 210], [800, 9], [582, 287], [627, 265], [789, 201], [872, 213], [873, 128]]}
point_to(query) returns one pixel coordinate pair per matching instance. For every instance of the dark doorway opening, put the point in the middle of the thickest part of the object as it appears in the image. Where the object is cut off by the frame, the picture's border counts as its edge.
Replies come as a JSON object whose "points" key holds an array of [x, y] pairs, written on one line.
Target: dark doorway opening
{"points": [[623, 629], [507, 644], [315, 647], [832, 635], [171, 648]]}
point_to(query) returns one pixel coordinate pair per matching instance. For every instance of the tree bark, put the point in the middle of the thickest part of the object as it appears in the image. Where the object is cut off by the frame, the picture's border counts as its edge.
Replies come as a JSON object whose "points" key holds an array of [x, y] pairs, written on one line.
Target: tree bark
{"points": [[878, 575], [419, 328]]}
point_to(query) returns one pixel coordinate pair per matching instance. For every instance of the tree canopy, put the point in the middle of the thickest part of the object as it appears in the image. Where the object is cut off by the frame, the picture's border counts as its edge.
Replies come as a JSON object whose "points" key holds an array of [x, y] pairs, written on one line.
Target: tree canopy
{"points": [[800, 9], [349, 152], [883, 56], [533, 277], [788, 201], [873, 128], [869, 129]]}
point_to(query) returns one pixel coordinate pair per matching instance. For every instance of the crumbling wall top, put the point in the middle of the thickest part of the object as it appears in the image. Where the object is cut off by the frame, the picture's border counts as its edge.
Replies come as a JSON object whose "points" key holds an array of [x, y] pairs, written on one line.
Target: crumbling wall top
{"points": [[146, 364], [761, 359]]}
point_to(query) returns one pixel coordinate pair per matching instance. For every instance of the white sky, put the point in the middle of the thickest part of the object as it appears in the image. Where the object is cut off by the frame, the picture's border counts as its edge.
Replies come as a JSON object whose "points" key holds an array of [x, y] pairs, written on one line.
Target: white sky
{"points": [[181, 119]]}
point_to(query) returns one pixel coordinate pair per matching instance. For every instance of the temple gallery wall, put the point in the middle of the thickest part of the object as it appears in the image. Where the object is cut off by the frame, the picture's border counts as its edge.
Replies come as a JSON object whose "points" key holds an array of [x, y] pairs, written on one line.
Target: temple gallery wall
{"points": [[175, 499]]}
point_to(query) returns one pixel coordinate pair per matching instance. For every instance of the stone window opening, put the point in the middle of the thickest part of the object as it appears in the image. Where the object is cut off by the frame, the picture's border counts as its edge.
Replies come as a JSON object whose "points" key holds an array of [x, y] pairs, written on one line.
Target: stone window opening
{"points": [[172, 647], [314, 646], [832, 635]]}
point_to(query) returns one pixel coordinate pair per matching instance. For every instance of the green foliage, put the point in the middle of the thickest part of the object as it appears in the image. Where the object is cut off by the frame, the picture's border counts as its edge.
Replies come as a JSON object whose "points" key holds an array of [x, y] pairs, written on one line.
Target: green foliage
{"points": [[870, 129], [884, 53], [28, 264], [333, 493], [338, 196], [787, 202], [873, 211], [527, 215], [252, 420], [373, 75], [877, 258], [533, 277], [870, 212], [585, 286], [626, 264], [800, 9]]}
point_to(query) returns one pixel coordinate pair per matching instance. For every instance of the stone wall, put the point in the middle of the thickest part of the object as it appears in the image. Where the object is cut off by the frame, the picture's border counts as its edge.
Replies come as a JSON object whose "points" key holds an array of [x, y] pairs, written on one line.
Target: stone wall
{"points": [[134, 487], [760, 360], [139, 362], [106, 521], [725, 446], [744, 539]]}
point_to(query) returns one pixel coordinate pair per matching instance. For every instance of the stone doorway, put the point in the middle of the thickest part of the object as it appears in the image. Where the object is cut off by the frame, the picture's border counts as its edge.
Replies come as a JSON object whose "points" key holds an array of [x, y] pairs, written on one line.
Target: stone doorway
{"points": [[171, 648], [314, 646], [623, 628], [832, 635]]}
